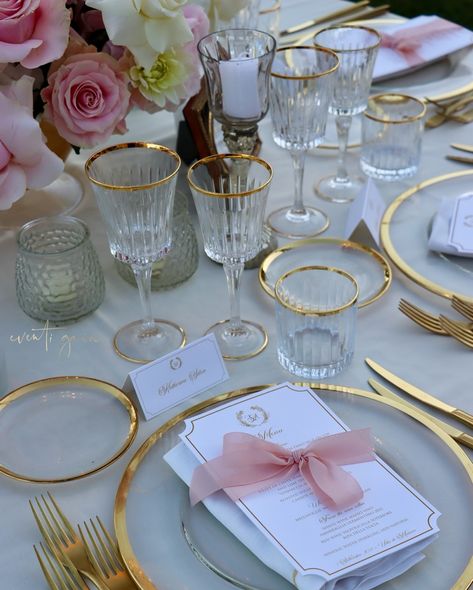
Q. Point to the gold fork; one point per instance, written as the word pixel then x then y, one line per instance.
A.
pixel 460 333
pixel 463 307
pixel 61 538
pixel 429 321
pixel 57 576
pixel 105 557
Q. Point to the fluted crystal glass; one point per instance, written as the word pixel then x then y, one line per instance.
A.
pixel 134 186
pixel 356 48
pixel 230 193
pixel 301 88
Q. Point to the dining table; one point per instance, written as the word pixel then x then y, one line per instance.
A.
pixel 438 364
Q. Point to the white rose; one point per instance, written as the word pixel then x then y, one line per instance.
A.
pixel 146 27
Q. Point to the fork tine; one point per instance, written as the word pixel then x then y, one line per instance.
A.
pixel 45 528
pixel 457 332
pixel 47 575
pixel 62 516
pixel 421 317
pixel 94 556
pixel 63 578
pixel 105 548
pixel 462 307
pixel 112 544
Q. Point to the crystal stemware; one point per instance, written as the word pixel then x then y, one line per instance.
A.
pixel 356 48
pixel 237 64
pixel 301 88
pixel 230 199
pixel 134 184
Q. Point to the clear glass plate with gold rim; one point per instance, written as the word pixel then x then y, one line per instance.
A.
pixel 64 428
pixel 167 545
pixel 405 231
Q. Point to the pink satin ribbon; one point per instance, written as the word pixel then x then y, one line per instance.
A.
pixel 407 42
pixel 249 464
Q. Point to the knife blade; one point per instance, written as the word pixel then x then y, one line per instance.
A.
pixel 462 147
pixel 461 437
pixel 421 395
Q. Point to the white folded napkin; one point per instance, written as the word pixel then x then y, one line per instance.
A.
pixel 439 236
pixel 417 43
pixel 181 460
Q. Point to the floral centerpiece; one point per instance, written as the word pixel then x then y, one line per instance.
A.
pixel 82 65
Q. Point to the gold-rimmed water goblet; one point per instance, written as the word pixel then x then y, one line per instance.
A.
pixel 230 193
pixel 301 88
pixel 356 47
pixel 134 185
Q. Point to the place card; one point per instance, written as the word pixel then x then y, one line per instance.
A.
pixel 391 517
pixel 364 216
pixel 181 374
pixel 461 224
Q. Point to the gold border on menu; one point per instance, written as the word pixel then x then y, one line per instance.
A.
pixel 263 270
pixel 126 550
pixel 391 250
pixel 103 386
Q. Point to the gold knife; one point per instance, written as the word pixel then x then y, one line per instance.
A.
pixel 326 18
pixel 462 147
pixel 461 159
pixel 461 437
pixel 421 395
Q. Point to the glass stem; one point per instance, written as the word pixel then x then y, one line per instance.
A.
pixel 298 161
pixel 233 274
pixel 343 128
pixel 143 280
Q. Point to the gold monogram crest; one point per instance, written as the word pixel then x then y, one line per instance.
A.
pixel 254 416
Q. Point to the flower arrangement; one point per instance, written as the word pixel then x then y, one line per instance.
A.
pixel 82 65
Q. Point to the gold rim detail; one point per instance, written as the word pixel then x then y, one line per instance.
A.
pixel 391 251
pixel 135 569
pixel 380 260
pixel 309 76
pixel 216 157
pixel 133 144
pixel 396 97
pixel 325 312
pixel 103 386
pixel 351 26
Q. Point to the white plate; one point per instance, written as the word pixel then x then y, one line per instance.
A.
pixel 152 507
pixel 64 428
pixel 405 230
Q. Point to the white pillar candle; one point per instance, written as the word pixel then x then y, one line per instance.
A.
pixel 240 96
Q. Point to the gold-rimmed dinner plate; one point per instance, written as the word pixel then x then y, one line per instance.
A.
pixel 164 551
pixel 405 230
pixel 369 268
pixel 64 428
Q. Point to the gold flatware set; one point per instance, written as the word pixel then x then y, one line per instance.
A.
pixel 93 554
pixel 426 398
pixel 463 148
pixel 452 109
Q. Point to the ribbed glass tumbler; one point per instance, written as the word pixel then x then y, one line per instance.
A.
pixel 316 316
pixel 58 274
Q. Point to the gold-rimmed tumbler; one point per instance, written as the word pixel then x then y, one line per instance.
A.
pixel 230 193
pixel 134 185
pixel 301 88
pixel 316 315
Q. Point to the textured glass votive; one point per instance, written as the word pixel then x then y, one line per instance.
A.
pixel 316 316
pixel 58 274
pixel 392 130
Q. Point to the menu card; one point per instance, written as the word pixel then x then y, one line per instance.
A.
pixel 452 227
pixel 315 540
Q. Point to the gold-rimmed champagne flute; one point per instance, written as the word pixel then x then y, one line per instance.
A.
pixel 134 186
pixel 230 193
pixel 301 88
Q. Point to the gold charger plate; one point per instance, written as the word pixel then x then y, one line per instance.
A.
pixel 64 428
pixel 405 229
pixel 370 269
pixel 151 504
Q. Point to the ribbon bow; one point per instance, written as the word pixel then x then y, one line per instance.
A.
pixel 249 464
pixel 408 41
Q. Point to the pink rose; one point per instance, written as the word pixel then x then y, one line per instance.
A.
pixel 33 32
pixel 197 20
pixel 25 161
pixel 87 99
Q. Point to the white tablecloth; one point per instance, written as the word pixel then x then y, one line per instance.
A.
pixel 439 365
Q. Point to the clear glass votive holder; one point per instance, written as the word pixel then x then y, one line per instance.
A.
pixel 392 130
pixel 316 315
pixel 58 274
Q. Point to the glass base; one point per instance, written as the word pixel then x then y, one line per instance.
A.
pixel 319 372
pixel 286 222
pixel 331 189
pixel 238 345
pixel 139 345
pixel 61 197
